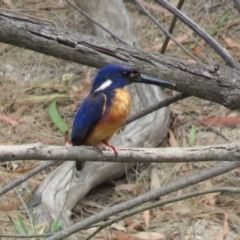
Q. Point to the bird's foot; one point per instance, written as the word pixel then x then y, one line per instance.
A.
pixel 99 149
pixel 112 147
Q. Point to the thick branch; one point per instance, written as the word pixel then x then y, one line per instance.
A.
pixel 225 152
pixel 215 83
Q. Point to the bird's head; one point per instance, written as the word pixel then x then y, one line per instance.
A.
pixel 114 76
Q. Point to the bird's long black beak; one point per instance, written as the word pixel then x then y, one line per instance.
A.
pixel 151 80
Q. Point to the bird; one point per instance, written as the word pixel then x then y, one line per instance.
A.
pixel 105 109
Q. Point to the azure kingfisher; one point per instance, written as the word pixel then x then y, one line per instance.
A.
pixel 105 109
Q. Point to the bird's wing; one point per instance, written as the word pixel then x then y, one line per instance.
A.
pixel 87 116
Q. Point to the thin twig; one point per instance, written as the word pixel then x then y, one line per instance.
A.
pixel 95 22
pixel 14 14
pixel 47 12
pixel 174 186
pixel 106 224
pixel 208 126
pixel 19 236
pixel 167 33
pixel 203 34
pixel 164 103
pixel 200 45
pixel 170 30
pixel 26 176
pixel 160 204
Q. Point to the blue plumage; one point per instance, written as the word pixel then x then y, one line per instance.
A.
pixel 92 107
pixel 107 106
pixel 112 72
pixel 87 117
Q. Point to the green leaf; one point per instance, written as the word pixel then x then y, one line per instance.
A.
pixel 213 30
pixel 224 18
pixel 20 226
pixel 193 136
pixel 56 118
pixel 56 225
pixel 23 226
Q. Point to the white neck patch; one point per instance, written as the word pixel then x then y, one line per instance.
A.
pixel 106 84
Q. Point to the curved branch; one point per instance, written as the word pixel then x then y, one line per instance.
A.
pixel 196 28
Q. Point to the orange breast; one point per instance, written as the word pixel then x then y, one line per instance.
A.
pixel 111 122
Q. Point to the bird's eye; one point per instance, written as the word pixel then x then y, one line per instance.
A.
pixel 130 74
pixel 125 74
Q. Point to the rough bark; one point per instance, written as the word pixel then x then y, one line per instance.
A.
pixel 216 83
pixel 223 152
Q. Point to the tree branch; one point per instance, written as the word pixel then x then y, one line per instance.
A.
pixel 208 126
pixel 25 177
pixel 96 22
pixel 169 35
pixel 171 28
pixel 203 34
pixel 164 103
pixel 161 203
pixel 224 152
pixel 214 83
pixel 20 236
pixel 174 186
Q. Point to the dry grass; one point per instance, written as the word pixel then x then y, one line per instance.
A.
pixel 32 73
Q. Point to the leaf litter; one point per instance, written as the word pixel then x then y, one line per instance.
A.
pixel 38 79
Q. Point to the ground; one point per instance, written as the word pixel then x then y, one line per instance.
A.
pixel 30 81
